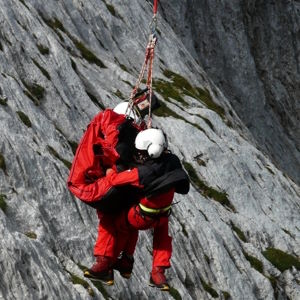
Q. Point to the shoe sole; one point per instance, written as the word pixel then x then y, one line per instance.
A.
pixel 124 274
pixel 165 287
pixel 93 278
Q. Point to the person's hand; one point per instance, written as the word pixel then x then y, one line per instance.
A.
pixel 109 170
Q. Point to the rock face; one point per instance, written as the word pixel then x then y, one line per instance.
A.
pixel 250 49
pixel 237 233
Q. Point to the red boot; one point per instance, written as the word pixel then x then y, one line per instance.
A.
pixel 158 279
pixel 124 265
pixel 101 270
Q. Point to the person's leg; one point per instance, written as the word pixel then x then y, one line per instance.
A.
pixel 126 242
pixel 162 244
pixel 106 240
pixel 104 250
pixel 162 252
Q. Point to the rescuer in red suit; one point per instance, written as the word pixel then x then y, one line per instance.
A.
pixel 160 175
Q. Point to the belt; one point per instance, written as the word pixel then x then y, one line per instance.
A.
pixel 154 211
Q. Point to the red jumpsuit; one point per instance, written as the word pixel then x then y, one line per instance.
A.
pixel 96 152
pixel 120 232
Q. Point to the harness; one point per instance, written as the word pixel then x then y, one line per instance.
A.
pixel 154 211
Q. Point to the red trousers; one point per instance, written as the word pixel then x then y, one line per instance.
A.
pixel 114 236
pixel 119 232
pixel 162 242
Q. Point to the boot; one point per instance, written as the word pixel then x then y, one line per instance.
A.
pixel 124 265
pixel 158 279
pixel 101 270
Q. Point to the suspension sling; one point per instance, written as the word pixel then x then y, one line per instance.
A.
pixel 142 99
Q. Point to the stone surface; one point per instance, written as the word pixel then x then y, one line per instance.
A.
pixel 251 51
pixel 46 234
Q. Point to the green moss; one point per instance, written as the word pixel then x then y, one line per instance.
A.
pixel 178 86
pixel 87 54
pixel 281 260
pixel 226 295
pixel 168 90
pixel 208 288
pixel 205 190
pixel 165 111
pixel 74 146
pixel 35 92
pixel 55 154
pixel 33 99
pixel 3 101
pixel 254 262
pixel 43 49
pixel 123 67
pixel 239 232
pixel 175 294
pixel 44 71
pixel 24 118
pixel 205 97
pixel 3 204
pixel 101 289
pixel 77 280
pixel 179 81
pixel 273 281
pixel 2 163
pixel 95 100
pixel 111 9
pixel 200 162
pixel 119 94
pixel 56 25
pixel 31 235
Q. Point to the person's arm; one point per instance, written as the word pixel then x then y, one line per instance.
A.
pixel 128 177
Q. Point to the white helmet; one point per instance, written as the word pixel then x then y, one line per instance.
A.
pixel 152 140
pixel 121 109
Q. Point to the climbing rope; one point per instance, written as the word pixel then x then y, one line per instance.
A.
pixel 147 65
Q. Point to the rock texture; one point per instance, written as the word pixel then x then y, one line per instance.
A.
pixel 251 51
pixel 236 235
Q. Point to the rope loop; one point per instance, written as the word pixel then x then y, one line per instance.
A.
pixel 147 65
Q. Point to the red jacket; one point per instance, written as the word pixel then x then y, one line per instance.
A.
pixel 96 152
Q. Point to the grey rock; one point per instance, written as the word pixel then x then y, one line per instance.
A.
pixel 47 234
pixel 251 51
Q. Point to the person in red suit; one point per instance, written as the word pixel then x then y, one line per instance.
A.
pixel 160 176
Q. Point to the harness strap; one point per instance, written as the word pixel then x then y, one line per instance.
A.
pixel 154 211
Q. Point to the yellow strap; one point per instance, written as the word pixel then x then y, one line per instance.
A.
pixel 154 210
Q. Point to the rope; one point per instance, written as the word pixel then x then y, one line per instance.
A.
pixel 148 64
pixel 155 7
